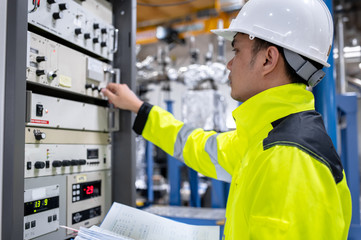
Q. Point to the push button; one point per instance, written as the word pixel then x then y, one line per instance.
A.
pixel 33 224
pixel 55 217
pixel 50 219
pixel 27 225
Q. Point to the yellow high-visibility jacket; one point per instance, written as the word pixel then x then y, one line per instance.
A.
pixel 287 181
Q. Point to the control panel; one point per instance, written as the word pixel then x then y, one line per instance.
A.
pixel 85 199
pixel 58 159
pixel 73 23
pixel 41 211
pixel 52 64
pixel 46 111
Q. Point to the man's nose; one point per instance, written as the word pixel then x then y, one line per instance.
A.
pixel 229 64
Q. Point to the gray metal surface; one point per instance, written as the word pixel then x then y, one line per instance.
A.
pixel 14 120
pixel 123 164
pixel 3 8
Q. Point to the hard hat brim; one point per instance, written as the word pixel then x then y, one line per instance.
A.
pixel 225 33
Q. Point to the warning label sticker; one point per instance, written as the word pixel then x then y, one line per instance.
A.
pixel 39 121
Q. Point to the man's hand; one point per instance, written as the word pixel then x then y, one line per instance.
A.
pixel 122 97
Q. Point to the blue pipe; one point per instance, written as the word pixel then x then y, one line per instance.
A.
pixel 325 95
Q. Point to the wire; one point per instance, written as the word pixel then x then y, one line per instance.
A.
pixel 165 4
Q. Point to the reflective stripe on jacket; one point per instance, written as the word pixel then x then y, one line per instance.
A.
pixel 287 181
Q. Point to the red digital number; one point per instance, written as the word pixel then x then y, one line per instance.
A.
pixel 89 189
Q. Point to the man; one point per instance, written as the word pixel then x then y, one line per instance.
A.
pixel 287 181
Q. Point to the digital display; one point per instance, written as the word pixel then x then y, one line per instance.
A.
pixel 92 153
pixel 41 205
pixel 83 191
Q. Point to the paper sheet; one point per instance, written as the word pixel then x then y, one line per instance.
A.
pixel 139 225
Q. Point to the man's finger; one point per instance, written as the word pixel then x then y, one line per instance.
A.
pixel 112 87
pixel 111 96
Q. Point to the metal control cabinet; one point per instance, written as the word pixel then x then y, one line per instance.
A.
pixel 96 52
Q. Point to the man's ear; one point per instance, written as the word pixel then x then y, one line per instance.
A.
pixel 271 59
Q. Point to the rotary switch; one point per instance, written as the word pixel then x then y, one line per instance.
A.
pixel 66 163
pixel 63 6
pixel 58 15
pixel 39 135
pixel 39 165
pixel 40 59
pixel 82 161
pixel 51 1
pixel 57 163
pixel 78 31
pixel 86 35
pixel 74 162
pixel 40 72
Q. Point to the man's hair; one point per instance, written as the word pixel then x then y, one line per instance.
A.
pixel 260 44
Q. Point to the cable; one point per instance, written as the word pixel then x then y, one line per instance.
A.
pixel 164 4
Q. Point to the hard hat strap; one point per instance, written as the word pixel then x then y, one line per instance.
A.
pixel 304 68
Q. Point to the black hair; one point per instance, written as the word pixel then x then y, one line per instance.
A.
pixel 260 44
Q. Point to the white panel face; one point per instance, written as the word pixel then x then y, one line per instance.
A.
pixel 60 113
pixel 100 8
pixel 58 159
pixel 41 211
pixel 69 21
pixel 58 66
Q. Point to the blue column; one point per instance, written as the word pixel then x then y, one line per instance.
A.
pixel 174 177
pixel 325 95
pixel 149 161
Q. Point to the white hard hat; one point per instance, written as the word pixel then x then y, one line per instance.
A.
pixel 301 26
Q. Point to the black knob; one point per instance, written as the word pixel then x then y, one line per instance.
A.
pixel 57 163
pixel 65 163
pixel 40 72
pixel 86 35
pixel 78 31
pixel 40 59
pixel 82 162
pixel 95 40
pixel 39 165
pixel 88 85
pixel 95 88
pixel 96 26
pixel 63 6
pixel 103 44
pixel 104 30
pixel 58 15
pixel 51 1
pixel 74 162
pixel 39 135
